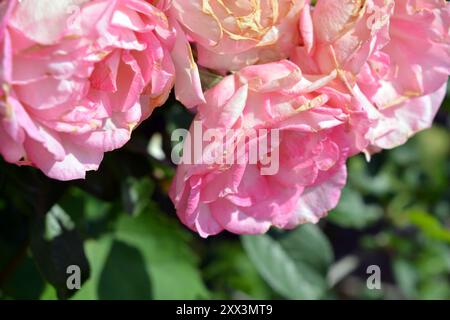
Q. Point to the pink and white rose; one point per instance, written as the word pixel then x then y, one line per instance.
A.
pixel 234 34
pixel 394 57
pixel 319 128
pixel 78 76
pixel 406 80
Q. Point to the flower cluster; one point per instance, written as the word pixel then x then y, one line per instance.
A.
pixel 323 81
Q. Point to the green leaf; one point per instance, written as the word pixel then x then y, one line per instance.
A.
pixel 48 293
pixel 231 274
pixel 429 225
pixel 434 260
pixel 380 184
pixel 164 245
pixel 145 257
pixel 435 289
pixel 353 212
pixel 294 274
pixel 91 215
pixel 124 275
pixel 209 79
pixel 307 244
pixel 97 252
pixel 56 245
pixel 26 282
pixel 136 194
pixel 341 269
pixel 406 277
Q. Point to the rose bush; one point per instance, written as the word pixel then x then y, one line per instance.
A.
pixel 332 78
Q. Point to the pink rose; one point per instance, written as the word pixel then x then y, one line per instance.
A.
pixel 396 62
pixel 405 82
pixel 233 34
pixel 342 34
pixel 77 76
pixel 318 129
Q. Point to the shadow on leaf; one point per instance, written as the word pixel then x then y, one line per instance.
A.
pixel 124 275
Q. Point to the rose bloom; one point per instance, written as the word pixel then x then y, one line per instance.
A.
pixel 406 81
pixel 233 34
pixel 319 128
pixel 394 57
pixel 78 76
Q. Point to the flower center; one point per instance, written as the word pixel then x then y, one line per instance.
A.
pixel 246 19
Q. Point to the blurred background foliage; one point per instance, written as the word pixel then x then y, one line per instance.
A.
pixel 120 227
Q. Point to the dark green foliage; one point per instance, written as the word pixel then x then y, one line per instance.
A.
pixel 120 228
